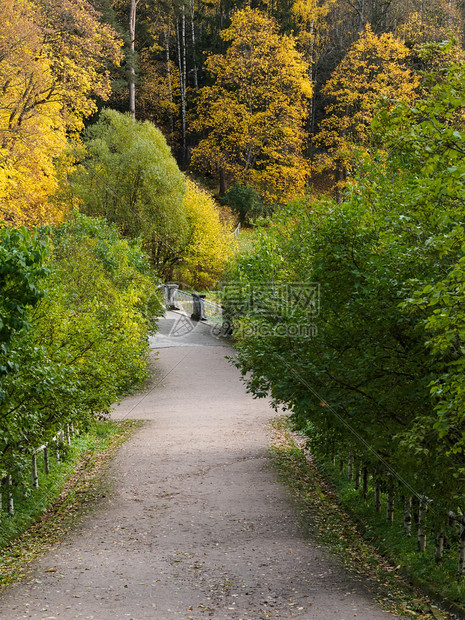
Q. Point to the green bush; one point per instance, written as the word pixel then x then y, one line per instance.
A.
pixel 383 378
pixel 246 202
pixel 87 338
pixel 127 174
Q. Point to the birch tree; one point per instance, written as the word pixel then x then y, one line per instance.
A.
pixel 132 62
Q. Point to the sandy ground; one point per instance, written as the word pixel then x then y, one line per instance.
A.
pixel 196 525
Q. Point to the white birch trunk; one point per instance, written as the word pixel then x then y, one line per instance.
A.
pixel 35 475
pixel 9 496
pixel 194 49
pixel 182 83
pixel 132 68
pixel 184 80
pixel 57 450
pixel 311 75
pixel 439 551
pixel 350 467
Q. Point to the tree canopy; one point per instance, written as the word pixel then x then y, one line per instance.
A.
pixel 253 114
pixel 54 61
pixel 127 174
pixel 210 240
pixel 382 378
pixel 79 302
pixel 373 71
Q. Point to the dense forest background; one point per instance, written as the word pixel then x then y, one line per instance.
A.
pixel 174 39
pixel 270 95
pixel 170 62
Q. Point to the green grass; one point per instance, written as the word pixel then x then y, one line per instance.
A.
pixel 371 549
pixel 44 515
pixel 437 578
pixel 245 240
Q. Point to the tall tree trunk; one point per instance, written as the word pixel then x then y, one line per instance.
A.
pixel 181 36
pixel 350 467
pixel 408 516
pixel 168 75
pixel 390 507
pixel 377 498
pixel 35 475
pixel 439 552
pixel 461 562
pixel 194 50
pixel 362 15
pixel 132 68
pixel 46 461
pixel 365 482
pixel 421 526
pixel 311 75
pixel 9 496
pixel 222 181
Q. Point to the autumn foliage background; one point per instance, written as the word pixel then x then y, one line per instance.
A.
pixel 275 96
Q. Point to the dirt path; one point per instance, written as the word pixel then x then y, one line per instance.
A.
pixel 196 525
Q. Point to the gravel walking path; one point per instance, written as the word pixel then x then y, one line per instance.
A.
pixel 196 525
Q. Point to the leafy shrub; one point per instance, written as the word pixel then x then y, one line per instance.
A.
pixel 87 337
pixel 127 174
pixel 210 240
pixel 246 202
pixel 383 378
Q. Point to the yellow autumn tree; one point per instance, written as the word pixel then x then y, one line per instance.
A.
pixel 310 17
pixel 210 240
pixel 430 21
pixel 32 131
pixel 81 49
pixel 252 117
pixel 373 70
pixel 44 96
